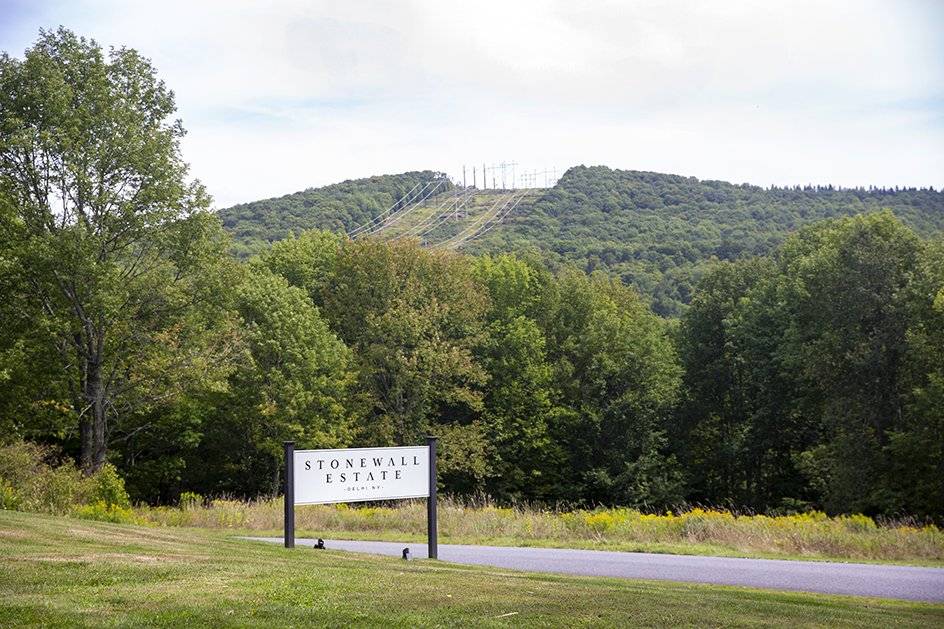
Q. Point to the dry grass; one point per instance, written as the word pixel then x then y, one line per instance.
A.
pixel 811 535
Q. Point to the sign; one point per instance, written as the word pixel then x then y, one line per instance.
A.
pixel 360 474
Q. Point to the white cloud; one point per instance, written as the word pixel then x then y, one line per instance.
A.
pixel 282 96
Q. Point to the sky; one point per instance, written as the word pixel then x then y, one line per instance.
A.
pixel 279 96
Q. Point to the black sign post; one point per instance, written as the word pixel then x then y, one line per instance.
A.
pixel 431 533
pixel 289 498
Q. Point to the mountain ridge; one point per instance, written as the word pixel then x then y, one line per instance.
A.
pixel 653 230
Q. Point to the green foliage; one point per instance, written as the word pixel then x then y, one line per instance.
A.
pixel 807 370
pixel 9 500
pixel 338 208
pixel 105 243
pixel 31 479
pixel 291 381
pixel 34 484
pixel 109 488
pixel 464 461
pixel 619 379
pixel 660 232
pixel 916 443
pixel 654 231
pixel 306 262
pixel 413 318
pixel 190 500
pixel 105 512
pixel 809 379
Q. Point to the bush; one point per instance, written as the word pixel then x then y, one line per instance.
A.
pixel 110 488
pixel 190 500
pixel 55 490
pixel 105 512
pixel 9 501
pixel 31 483
pixel 21 461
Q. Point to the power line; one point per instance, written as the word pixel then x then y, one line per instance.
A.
pixel 502 201
pixel 396 217
pixel 456 203
pixel 400 202
pixel 487 228
pixel 454 211
pixel 445 216
pixel 484 216
pixel 497 218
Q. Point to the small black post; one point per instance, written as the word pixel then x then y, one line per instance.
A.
pixel 431 533
pixel 289 498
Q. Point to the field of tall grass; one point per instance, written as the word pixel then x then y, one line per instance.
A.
pixel 812 535
pixel 27 483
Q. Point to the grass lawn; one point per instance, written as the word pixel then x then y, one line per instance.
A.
pixel 66 572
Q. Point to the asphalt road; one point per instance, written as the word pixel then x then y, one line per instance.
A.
pixel 903 582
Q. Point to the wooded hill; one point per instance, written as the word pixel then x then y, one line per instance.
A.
pixel 652 230
pixel 338 207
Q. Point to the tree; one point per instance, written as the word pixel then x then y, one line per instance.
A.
pixel 715 415
pixel 813 378
pixel 519 412
pixel 291 381
pixel 915 483
pixel 617 372
pixel 117 251
pixel 845 283
pixel 306 261
pixel 413 318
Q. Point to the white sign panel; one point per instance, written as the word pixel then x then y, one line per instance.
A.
pixel 359 474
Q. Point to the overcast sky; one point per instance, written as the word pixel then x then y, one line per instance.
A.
pixel 282 96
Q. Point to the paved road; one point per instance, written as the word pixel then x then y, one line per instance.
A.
pixel 904 582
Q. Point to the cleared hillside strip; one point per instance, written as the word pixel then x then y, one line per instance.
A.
pixel 494 221
pixel 407 198
pixel 500 204
pixel 396 217
pixel 449 208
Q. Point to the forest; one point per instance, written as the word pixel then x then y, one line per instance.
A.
pixel 627 339
pixel 655 232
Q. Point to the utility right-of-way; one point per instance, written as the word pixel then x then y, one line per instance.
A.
pixel 878 580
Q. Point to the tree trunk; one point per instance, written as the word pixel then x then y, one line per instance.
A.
pixel 85 436
pixel 92 426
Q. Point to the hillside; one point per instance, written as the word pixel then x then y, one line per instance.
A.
pixel 654 231
pixel 338 207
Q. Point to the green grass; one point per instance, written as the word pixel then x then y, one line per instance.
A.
pixel 64 572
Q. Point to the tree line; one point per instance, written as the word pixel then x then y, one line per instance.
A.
pixel 812 377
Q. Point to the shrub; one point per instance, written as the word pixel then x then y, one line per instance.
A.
pixel 105 512
pixel 55 490
pixel 31 483
pixel 190 500
pixel 109 488
pixel 8 499
pixel 21 461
